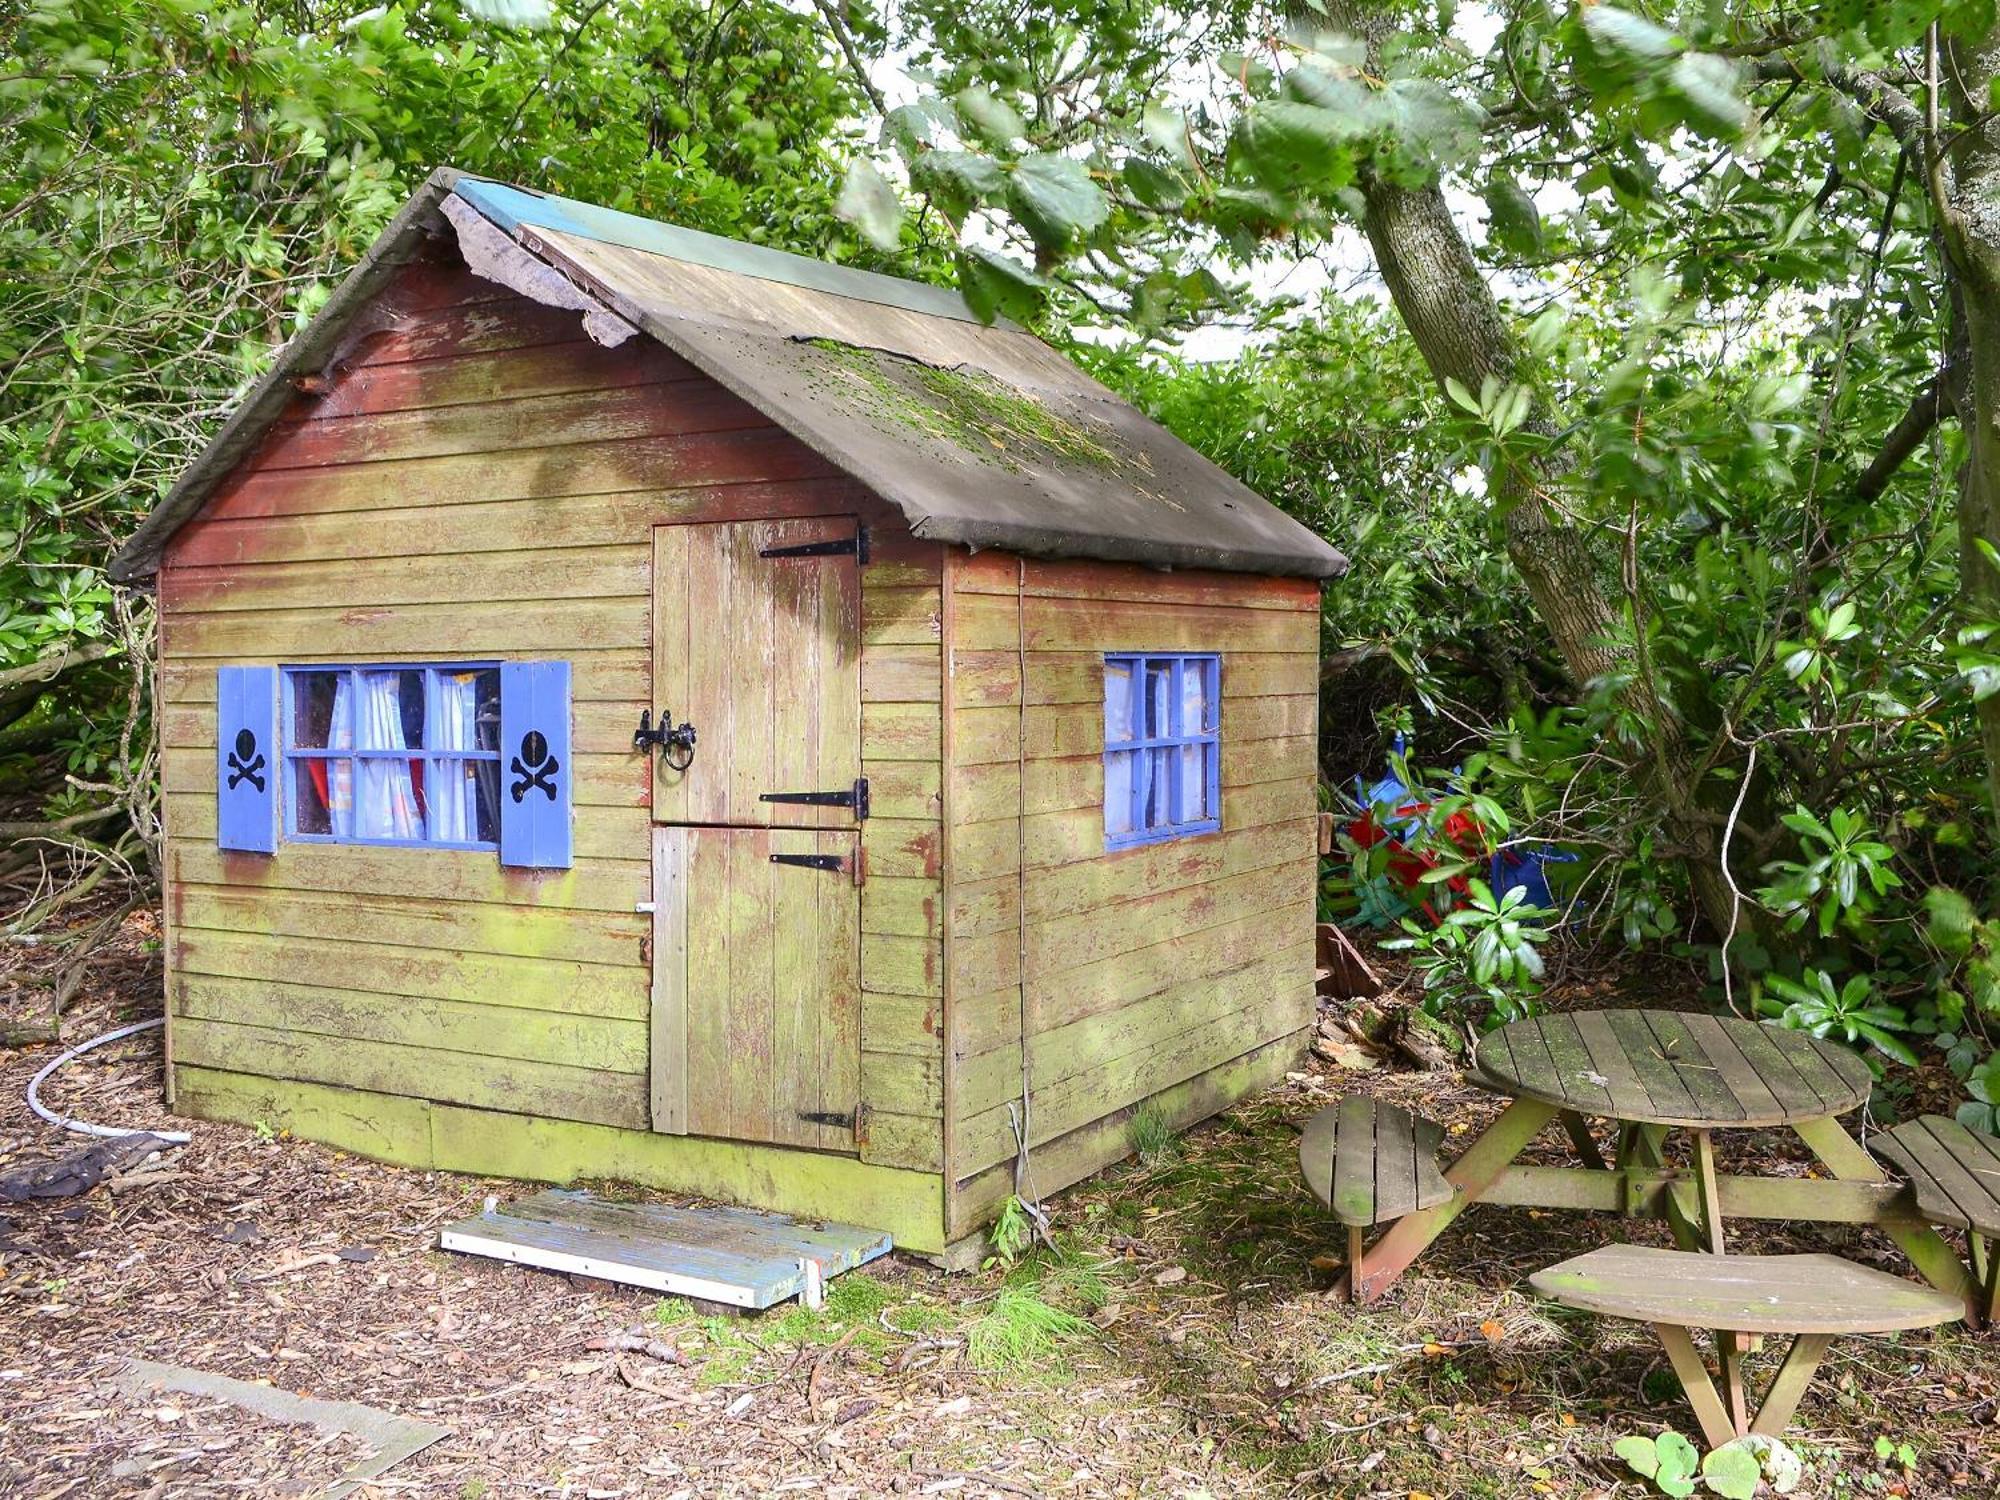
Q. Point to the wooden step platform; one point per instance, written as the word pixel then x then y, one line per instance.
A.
pixel 1814 1297
pixel 1371 1162
pixel 1954 1174
pixel 735 1256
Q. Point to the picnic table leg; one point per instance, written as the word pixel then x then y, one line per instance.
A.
pixel 1693 1374
pixel 1711 1203
pixel 1581 1138
pixel 1649 1149
pixel 1790 1383
pixel 1935 1260
pixel 1471 1175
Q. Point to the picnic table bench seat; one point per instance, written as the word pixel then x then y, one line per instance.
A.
pixel 1813 1297
pixel 1954 1173
pixel 1371 1162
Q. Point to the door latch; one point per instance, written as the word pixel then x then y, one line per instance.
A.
pixel 675 741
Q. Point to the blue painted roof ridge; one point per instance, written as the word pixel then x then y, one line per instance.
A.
pixel 513 208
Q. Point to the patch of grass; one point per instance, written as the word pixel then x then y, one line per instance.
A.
pixel 671 1312
pixel 1153 1137
pixel 1022 1335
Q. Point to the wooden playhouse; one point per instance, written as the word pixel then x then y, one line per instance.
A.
pixel 641 705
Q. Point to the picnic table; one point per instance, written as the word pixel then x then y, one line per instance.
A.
pixel 1652 1074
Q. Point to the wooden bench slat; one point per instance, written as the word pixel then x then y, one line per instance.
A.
pixel 1744 1293
pixel 1354 1161
pixel 1370 1162
pixel 1657 1076
pixel 1735 1069
pixel 1573 1065
pixel 1953 1171
pixel 1698 1073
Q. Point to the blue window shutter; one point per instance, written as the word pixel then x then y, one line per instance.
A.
pixel 246 758
pixel 534 764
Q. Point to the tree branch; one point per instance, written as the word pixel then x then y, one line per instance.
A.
pixel 1929 406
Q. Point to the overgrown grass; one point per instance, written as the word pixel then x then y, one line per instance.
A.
pixel 1153 1137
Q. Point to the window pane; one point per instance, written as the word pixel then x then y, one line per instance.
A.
pixel 1118 701
pixel 1194 762
pixel 390 710
pixel 1195 704
pixel 452 800
pixel 389 715
pixel 314 695
pixel 314 783
pixel 1159 699
pixel 1118 768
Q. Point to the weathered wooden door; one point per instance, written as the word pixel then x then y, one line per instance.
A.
pixel 756 845
pixel 757 643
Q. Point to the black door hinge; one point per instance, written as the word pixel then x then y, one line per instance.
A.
pixel 855 546
pixel 811 861
pixel 828 1117
pixel 855 797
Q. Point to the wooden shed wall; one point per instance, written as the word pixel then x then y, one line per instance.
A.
pixel 1180 971
pixel 481 482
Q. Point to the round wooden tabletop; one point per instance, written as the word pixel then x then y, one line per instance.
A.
pixel 1665 1068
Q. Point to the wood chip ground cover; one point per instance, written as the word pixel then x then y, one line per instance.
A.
pixel 1193 1351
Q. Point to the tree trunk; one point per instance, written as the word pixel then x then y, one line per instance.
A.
pixel 1458 327
pixel 1968 183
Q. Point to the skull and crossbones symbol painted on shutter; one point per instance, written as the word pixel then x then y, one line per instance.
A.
pixel 246 762
pixel 534 766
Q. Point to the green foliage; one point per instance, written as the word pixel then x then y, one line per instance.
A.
pixel 1482 960
pixel 1670 1461
pixel 1013 1232
pixel 1848 1012
pixel 184 181
pixel 1153 1137
pixel 1020 1334
pixel 1732 1471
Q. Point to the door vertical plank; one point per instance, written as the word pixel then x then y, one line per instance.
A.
pixel 708 981
pixel 673 654
pixel 838 744
pixel 669 1060
pixel 838 1053
pixel 795 987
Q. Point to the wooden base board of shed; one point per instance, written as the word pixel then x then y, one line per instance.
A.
pixel 1068 1159
pixel 489 1143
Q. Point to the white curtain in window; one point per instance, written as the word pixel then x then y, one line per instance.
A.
pixel 1194 758
pixel 1159 723
pixel 454 798
pixel 1118 704
pixel 385 801
pixel 340 773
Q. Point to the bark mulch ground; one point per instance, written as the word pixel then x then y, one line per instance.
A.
pixel 1182 1342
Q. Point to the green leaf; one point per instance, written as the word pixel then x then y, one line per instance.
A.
pixel 1167 129
pixel 956 180
pixel 868 203
pixel 1732 1471
pixel 1292 147
pixel 1620 36
pixel 1710 90
pixel 526 15
pixel 1056 200
pixel 995 286
pixel 991 118
pixel 1512 217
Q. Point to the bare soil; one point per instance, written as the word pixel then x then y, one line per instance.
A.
pixel 1181 1343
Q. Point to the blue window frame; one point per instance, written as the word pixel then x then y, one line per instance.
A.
pixel 1162 747
pixel 399 753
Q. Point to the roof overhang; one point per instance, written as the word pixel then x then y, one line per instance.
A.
pixel 980 435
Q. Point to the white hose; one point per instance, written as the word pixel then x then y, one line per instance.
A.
pixel 84 1127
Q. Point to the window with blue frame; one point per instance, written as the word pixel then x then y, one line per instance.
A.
pixel 1162 747
pixel 393 754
